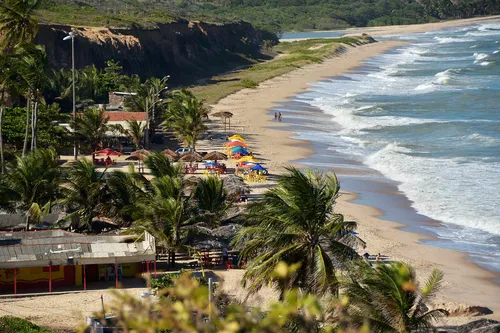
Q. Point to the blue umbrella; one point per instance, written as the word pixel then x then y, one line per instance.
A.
pixel 238 148
pixel 211 163
pixel 258 167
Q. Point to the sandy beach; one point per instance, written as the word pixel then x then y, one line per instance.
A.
pixel 271 141
pixel 414 28
pixel 465 282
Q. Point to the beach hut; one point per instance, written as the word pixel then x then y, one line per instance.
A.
pixel 224 115
pixel 191 157
pixel 215 156
pixel 56 258
pixel 170 154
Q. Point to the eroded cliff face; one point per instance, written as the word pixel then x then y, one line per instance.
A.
pixel 184 50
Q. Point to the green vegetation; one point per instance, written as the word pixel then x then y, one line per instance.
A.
pixel 290 56
pixel 17 325
pixel 273 15
pixel 184 307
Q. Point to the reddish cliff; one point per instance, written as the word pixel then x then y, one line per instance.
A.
pixel 185 50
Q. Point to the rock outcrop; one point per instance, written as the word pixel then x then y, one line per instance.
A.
pixel 480 326
pixel 185 50
pixel 462 310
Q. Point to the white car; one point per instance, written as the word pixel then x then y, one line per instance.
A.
pixel 181 151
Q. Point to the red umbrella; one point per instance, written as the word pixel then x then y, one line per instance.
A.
pixel 108 152
pixel 236 143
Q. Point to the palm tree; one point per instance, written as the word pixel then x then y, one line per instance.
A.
pixel 186 115
pixel 82 191
pixel 124 190
pixel 17 25
pixel 31 182
pixel 295 223
pixel 34 77
pixel 161 166
pixel 91 127
pixel 7 88
pixel 89 83
pixel 135 131
pixel 212 200
pixel 389 299
pixel 167 214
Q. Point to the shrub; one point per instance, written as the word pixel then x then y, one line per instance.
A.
pixel 247 83
pixel 10 324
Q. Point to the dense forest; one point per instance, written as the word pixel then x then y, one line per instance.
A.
pixel 275 15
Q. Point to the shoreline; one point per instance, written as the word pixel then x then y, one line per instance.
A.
pixel 464 280
pixel 403 29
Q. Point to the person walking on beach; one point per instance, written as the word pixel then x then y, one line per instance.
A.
pixel 275 116
pixel 279 117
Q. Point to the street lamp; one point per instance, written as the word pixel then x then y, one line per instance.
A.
pixel 71 36
pixel 153 104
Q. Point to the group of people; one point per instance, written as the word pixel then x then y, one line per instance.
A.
pixel 277 116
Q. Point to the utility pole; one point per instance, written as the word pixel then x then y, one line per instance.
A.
pixel 71 36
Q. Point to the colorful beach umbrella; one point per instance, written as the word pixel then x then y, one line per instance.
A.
pixel 247 159
pixel 236 137
pixel 238 148
pixel 258 167
pixel 108 152
pixel 236 144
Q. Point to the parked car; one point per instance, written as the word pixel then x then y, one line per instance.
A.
pixel 181 151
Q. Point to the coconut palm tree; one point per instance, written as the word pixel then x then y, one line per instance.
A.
pixel 17 25
pixel 212 200
pixel 161 166
pixel 31 182
pixel 296 223
pixel 34 78
pixel 390 300
pixel 186 115
pixel 124 190
pixel 8 69
pixel 167 214
pixel 91 127
pixel 135 131
pixel 82 190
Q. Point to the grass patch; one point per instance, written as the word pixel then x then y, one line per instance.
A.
pixel 247 83
pixel 10 324
pixel 290 56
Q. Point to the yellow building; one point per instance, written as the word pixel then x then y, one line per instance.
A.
pixel 37 260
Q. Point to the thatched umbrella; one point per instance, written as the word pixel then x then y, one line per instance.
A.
pixel 169 153
pixel 191 157
pixel 132 158
pixel 224 115
pixel 215 156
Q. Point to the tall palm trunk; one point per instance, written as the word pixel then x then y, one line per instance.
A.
pixel 34 126
pixel 27 129
pixel 1 139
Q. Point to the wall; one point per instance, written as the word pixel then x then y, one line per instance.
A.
pixel 36 278
pixel 185 50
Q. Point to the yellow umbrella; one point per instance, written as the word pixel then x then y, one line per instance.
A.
pixel 247 159
pixel 236 137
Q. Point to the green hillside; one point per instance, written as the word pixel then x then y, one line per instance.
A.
pixel 276 15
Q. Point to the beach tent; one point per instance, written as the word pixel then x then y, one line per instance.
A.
pixel 236 137
pixel 236 144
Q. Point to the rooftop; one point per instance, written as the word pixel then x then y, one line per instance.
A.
pixel 58 247
pixel 124 116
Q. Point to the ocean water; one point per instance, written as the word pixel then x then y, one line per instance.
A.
pixel 425 117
